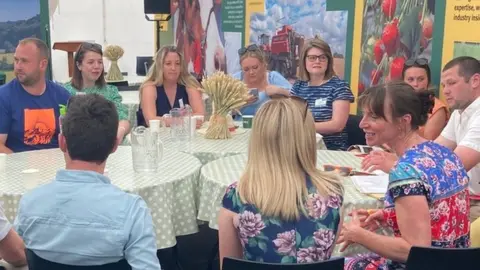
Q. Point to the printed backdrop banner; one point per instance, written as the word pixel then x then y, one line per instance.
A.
pixel 210 32
pixel 381 35
pixel 18 20
pixel 282 27
pixel 461 35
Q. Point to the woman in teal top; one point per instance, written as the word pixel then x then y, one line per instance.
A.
pixel 88 77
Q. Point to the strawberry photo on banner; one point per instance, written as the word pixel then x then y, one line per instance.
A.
pixel 393 31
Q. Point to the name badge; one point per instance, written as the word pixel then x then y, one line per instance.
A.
pixel 320 102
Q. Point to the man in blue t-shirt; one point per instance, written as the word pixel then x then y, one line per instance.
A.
pixel 29 104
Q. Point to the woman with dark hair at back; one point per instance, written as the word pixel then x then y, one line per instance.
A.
pixel 427 201
pixel 88 77
pixel 417 74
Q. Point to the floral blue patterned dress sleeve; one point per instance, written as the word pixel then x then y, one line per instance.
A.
pixel 270 239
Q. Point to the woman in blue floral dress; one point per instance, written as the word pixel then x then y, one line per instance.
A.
pixel 427 202
pixel 283 209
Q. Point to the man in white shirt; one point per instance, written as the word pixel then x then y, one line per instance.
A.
pixel 461 87
pixel 12 249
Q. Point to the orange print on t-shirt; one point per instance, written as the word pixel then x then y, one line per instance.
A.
pixel 39 126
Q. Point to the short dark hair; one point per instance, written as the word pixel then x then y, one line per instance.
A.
pixel 77 79
pixel 40 44
pixel 467 66
pixel 403 100
pixel 90 128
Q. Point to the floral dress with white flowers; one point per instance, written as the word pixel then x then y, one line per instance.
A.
pixel 433 171
pixel 269 239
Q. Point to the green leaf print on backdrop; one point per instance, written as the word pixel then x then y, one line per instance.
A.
pixel 410 31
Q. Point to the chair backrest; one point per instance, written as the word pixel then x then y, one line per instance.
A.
pixel 37 263
pixel 236 264
pixel 356 136
pixel 143 64
pixel 430 258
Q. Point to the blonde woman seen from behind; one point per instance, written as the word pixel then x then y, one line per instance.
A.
pixel 283 209
pixel 168 85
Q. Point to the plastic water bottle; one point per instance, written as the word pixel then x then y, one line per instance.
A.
pixel 188 119
pixel 63 111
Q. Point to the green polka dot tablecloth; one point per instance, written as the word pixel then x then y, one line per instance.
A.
pixel 207 150
pixel 169 193
pixel 217 175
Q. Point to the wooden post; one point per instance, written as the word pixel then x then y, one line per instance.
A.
pixel 70 47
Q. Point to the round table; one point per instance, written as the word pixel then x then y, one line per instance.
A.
pixel 207 150
pixel 217 175
pixel 169 193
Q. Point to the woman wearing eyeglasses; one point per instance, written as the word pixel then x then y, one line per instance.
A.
pixel 88 77
pixel 328 96
pixel 416 73
pixel 262 82
pixel 283 209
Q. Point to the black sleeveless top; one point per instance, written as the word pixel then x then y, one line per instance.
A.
pixel 162 103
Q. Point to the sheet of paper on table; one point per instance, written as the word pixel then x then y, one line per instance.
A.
pixel 368 184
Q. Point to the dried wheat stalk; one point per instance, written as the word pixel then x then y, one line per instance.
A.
pixel 113 53
pixel 227 94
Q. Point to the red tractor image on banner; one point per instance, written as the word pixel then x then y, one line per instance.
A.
pixel 283 51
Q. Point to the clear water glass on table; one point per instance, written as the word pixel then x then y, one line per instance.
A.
pixel 147 149
pixel 180 125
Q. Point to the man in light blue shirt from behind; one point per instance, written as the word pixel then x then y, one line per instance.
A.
pixel 80 218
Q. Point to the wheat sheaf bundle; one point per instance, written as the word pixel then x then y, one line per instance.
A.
pixel 227 94
pixel 113 53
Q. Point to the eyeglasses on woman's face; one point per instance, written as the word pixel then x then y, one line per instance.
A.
pixel 313 58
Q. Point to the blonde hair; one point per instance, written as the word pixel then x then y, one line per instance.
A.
pixel 319 44
pixel 155 73
pixel 257 53
pixel 282 152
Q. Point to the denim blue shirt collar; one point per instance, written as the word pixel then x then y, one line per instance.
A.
pixel 79 176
